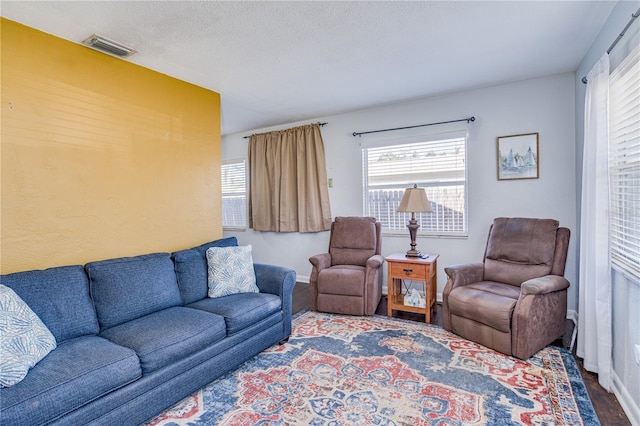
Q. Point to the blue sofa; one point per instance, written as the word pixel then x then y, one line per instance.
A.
pixel 136 335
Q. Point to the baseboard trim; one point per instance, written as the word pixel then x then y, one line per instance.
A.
pixel 302 279
pixel 627 403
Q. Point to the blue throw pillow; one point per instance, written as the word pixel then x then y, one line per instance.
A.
pixel 24 339
pixel 230 271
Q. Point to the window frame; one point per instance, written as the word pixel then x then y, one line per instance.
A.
pixel 404 218
pixel 235 227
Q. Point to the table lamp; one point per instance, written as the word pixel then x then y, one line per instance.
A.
pixel 414 200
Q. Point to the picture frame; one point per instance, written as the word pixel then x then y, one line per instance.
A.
pixel 518 157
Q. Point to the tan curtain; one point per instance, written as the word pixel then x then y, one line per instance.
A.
pixel 288 181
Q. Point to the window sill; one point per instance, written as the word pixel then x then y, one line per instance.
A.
pixel 424 235
pixel 234 228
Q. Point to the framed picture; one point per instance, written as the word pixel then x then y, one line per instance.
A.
pixel 518 157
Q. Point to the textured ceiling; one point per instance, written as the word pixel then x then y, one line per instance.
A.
pixel 279 62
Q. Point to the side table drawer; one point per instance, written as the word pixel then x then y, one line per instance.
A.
pixel 408 271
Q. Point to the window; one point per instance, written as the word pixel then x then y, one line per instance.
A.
pixel 438 165
pixel 624 164
pixel 234 194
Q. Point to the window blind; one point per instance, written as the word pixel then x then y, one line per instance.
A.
pixel 439 166
pixel 234 194
pixel 624 164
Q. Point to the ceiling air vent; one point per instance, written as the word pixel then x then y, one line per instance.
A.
pixel 111 47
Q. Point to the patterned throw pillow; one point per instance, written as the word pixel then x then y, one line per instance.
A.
pixel 230 271
pixel 24 339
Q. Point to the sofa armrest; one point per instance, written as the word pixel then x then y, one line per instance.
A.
pixel 373 283
pixel 321 261
pixel 544 285
pixel 318 263
pixel 375 261
pixel 539 316
pixel 280 281
pixel 459 275
pixel 464 274
pixel 274 279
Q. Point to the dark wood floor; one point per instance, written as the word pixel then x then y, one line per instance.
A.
pixel 606 405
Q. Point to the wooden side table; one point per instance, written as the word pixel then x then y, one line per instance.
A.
pixel 401 267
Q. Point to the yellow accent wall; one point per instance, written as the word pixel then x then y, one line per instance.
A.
pixel 100 158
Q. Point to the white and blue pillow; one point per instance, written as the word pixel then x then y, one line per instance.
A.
pixel 230 271
pixel 24 339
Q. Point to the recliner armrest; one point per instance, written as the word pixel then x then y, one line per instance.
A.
pixel 543 285
pixel 375 261
pixel 321 261
pixel 464 274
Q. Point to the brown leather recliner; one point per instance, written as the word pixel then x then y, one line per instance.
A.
pixel 348 279
pixel 516 300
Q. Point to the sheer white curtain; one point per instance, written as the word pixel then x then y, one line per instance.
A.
pixel 594 321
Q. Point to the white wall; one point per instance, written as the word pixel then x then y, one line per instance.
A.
pixel 626 294
pixel 544 105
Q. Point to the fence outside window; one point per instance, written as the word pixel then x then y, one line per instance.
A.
pixel 447 205
pixel 439 166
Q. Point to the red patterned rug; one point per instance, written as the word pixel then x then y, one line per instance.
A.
pixel 343 370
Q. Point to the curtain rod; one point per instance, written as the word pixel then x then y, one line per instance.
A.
pixel 412 127
pixel 247 137
pixel 633 18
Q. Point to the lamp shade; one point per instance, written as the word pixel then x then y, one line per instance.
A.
pixel 415 200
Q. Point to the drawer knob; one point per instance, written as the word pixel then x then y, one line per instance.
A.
pixel 407 271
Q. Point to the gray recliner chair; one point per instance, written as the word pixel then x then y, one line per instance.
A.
pixel 348 279
pixel 515 301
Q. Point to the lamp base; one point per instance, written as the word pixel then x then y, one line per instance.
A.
pixel 413 226
pixel 413 253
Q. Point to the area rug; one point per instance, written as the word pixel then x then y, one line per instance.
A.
pixel 342 370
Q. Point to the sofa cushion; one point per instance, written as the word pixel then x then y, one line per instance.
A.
pixel 241 310
pixel 222 242
pixel 346 280
pixel 191 272
pixel 130 287
pixel 519 249
pixel 191 269
pixel 230 271
pixel 164 337
pixel 490 303
pixel 60 298
pixel 24 339
pixel 353 240
pixel 77 372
